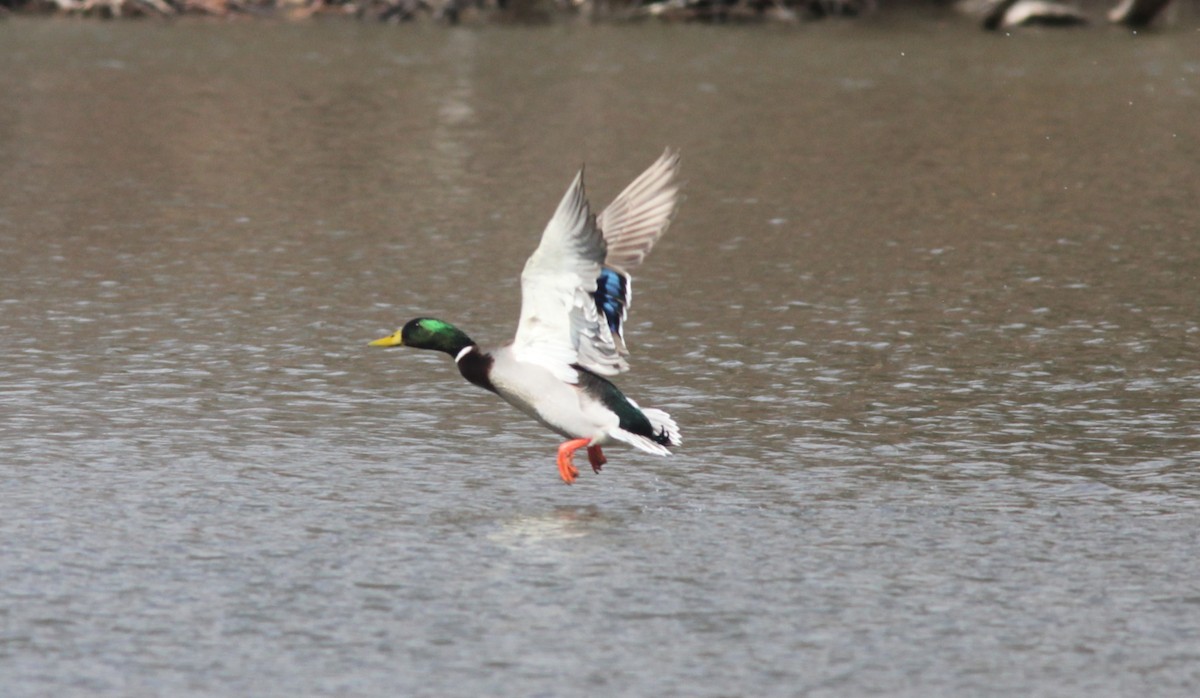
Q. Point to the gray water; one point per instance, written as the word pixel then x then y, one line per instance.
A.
pixel 928 319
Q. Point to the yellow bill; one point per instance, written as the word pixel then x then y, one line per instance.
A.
pixel 392 340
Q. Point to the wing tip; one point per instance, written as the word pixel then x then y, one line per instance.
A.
pixel 670 155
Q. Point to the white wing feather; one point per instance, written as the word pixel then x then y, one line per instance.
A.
pixel 560 324
pixel 555 283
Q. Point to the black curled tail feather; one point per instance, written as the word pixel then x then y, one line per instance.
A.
pixel 666 431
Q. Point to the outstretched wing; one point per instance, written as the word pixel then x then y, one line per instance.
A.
pixel 631 224
pixel 574 290
pixel 558 313
pixel 638 217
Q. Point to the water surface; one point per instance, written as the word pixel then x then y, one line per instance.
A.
pixel 927 318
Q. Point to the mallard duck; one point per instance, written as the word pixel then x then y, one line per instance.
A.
pixel 575 295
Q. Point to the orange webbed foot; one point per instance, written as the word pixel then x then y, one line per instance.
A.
pixel 566 453
pixel 596 458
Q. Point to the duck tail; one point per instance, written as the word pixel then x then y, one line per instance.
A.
pixel 666 431
pixel 637 440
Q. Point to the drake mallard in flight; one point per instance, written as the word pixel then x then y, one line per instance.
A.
pixel 575 295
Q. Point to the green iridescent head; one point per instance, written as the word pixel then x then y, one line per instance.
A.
pixel 427 333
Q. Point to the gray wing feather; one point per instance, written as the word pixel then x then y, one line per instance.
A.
pixel 639 216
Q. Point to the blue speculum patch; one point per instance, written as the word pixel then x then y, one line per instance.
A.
pixel 612 293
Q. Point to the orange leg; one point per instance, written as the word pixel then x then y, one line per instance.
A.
pixel 596 458
pixel 566 451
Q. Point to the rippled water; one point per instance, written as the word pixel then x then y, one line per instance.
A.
pixel 927 318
